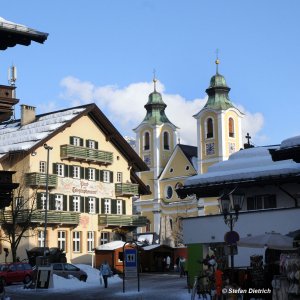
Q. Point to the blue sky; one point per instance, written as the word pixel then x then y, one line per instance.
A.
pixel 105 51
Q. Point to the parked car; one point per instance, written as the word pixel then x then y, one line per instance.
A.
pixel 53 255
pixel 16 272
pixel 66 269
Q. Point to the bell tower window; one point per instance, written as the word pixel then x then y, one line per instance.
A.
pixel 209 128
pixel 166 141
pixel 147 141
pixel 231 127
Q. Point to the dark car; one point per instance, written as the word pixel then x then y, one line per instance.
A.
pixel 15 272
pixel 67 270
pixel 53 255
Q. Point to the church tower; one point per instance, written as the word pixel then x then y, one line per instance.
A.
pixel 219 129
pixel 156 138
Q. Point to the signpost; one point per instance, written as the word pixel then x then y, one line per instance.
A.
pixel 131 263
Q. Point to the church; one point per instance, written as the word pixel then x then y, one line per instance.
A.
pixel 219 134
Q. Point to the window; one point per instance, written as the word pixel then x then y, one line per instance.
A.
pixel 61 240
pixel 261 202
pixel 104 237
pixel 43 201
pixel 187 168
pixel 60 169
pixel 119 207
pixel 169 192
pixel 171 170
pixel 58 202
pixel 209 128
pixel 92 174
pixel 147 141
pixel 43 167
pixel 119 177
pixel 76 141
pixel 231 127
pixel 166 141
pixel 90 241
pixel 76 172
pixel 91 144
pixel 92 205
pixel 76 203
pixel 107 206
pixel 76 241
pixel 106 176
pixel 41 238
pixel 19 201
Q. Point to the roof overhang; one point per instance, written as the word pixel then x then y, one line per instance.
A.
pixel 286 153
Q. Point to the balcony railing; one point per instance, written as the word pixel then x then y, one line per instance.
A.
pixel 126 189
pixel 122 220
pixel 85 154
pixel 38 216
pixel 39 179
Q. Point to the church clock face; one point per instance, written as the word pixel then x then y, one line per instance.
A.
pixel 210 148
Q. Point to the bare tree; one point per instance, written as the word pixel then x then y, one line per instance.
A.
pixel 16 220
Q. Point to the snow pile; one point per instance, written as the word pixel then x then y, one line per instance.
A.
pixel 291 142
pixel 111 245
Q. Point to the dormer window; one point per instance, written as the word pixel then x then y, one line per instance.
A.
pixel 231 127
pixel 166 141
pixel 209 128
pixel 147 141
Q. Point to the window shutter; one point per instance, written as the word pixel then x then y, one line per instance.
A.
pixel 81 172
pixel 71 204
pixel 65 203
pixel 81 204
pixel 102 206
pixel 96 145
pixel 86 173
pixel 87 143
pixel 101 175
pixel 123 207
pixel 81 142
pixel 66 170
pixel 97 205
pixel 71 140
pixel 39 200
pixel 52 202
pixel 54 169
pixel 86 206
pixel 113 206
pixel 111 176
pixel 97 175
pixel 71 171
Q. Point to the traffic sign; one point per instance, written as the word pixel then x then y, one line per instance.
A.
pixel 130 262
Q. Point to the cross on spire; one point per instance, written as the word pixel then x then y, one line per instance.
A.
pixel 217 61
pixel 248 137
pixel 154 79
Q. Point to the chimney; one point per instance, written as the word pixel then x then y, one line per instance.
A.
pixel 27 114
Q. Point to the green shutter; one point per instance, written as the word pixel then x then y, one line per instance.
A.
pixel 86 204
pixel 65 203
pixel 71 140
pixel 81 204
pixel 123 207
pixel 54 169
pixel 87 143
pixel 102 206
pixel 97 205
pixel 71 205
pixel 111 176
pixel 101 175
pixel 81 142
pixel 86 173
pixel 52 201
pixel 113 206
pixel 81 172
pixel 96 145
pixel 97 175
pixel 66 170
pixel 71 171
pixel 39 200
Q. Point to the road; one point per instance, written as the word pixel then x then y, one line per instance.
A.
pixel 152 286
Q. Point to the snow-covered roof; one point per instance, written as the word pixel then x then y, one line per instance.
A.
pixel 252 163
pixel 290 142
pixel 150 247
pixel 14 137
pixel 111 245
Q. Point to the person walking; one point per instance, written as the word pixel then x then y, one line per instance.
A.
pixel 181 266
pixel 105 272
pixel 168 263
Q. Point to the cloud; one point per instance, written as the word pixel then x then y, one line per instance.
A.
pixel 125 106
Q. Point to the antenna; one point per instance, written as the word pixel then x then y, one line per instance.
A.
pixel 12 75
pixel 154 79
pixel 217 61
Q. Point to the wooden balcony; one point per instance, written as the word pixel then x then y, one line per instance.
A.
pixel 38 216
pixel 77 153
pixel 126 189
pixel 122 220
pixel 39 180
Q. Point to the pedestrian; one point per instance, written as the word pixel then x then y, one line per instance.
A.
pixel 105 272
pixel 182 266
pixel 168 262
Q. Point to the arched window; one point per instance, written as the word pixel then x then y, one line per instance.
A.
pixel 147 141
pixel 231 127
pixel 209 128
pixel 166 141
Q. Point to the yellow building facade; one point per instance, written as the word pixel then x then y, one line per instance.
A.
pixel 91 180
pixel 219 133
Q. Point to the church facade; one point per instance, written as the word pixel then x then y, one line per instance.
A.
pixel 219 134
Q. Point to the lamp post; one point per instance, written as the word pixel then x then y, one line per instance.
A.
pixel 48 148
pixel 230 205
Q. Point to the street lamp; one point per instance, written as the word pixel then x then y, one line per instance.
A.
pixel 230 205
pixel 48 148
